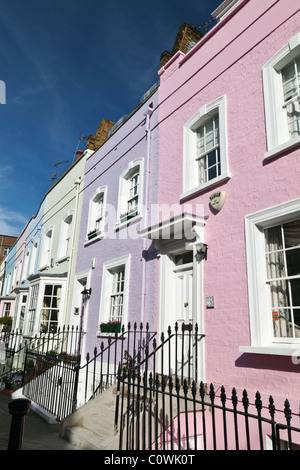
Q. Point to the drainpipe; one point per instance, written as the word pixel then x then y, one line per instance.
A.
pixel 145 241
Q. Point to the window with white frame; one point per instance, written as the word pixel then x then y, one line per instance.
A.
pixel 50 308
pixel 23 303
pixel 46 248
pixel 117 295
pixel 33 257
pixel 205 151
pixel 34 292
pixel 65 236
pixel 283 277
pixel 7 307
pixel 114 291
pixel 273 264
pixel 96 213
pixel 281 80
pixel 5 250
pixel 130 192
pixel 25 265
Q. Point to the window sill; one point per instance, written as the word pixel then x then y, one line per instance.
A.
pixel 94 239
pixel 205 186
pixel 107 334
pixel 276 151
pixel 276 350
pixel 120 225
pixel 63 258
pixel 44 267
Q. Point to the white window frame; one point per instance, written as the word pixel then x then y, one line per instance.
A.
pixel 5 250
pixel 33 256
pixel 109 268
pixel 46 248
pixel 133 167
pixel 50 308
pixel 92 229
pixel 190 164
pixel 7 309
pixel 278 139
pixel 66 234
pixel 31 315
pixel 261 329
pixel 25 265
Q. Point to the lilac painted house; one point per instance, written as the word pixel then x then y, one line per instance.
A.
pixel 114 265
pixel 231 105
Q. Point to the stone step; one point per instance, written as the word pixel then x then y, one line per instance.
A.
pixel 83 438
pixel 99 425
pixel 91 427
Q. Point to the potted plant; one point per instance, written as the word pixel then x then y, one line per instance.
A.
pixel 110 327
pixel 6 321
pixel 93 234
pixel 128 215
pixel 68 357
pixel 14 381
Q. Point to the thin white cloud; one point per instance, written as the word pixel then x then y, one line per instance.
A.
pixel 25 95
pixel 11 222
pixel 5 170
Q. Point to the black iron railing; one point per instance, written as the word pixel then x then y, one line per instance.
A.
pixel 159 413
pixel 50 381
pixel 100 369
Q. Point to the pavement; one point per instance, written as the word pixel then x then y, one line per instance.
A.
pixel 38 434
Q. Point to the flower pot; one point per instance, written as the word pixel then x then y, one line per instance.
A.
pixel 128 216
pixel 110 328
pixel 93 235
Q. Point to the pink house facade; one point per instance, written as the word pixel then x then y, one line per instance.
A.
pixel 230 174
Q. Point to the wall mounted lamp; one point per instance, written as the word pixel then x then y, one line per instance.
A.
pixel 87 291
pixel 202 250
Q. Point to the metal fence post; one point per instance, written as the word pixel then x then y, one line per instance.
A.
pixel 18 409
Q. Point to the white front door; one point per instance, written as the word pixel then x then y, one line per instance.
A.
pixel 184 314
pixel 184 295
pixel 180 302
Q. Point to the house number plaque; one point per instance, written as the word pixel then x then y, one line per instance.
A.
pixel 217 200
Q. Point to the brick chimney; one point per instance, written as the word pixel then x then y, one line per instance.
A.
pixel 95 141
pixel 186 38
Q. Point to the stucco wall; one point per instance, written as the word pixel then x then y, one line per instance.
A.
pixel 229 62
pixel 105 166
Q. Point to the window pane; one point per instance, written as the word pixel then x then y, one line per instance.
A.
pixel 273 238
pixel 48 290
pixel 293 117
pixel 289 82
pixel 275 265
pixel 295 292
pixel 202 170
pixel 201 142
pixel 279 294
pixel 282 323
pixel 292 234
pixel 212 173
pixel 293 262
pixel 297 323
pixel 212 159
pixel 210 135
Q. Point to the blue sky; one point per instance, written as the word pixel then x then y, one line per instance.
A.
pixel 66 65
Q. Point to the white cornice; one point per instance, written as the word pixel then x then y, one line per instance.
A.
pixel 224 8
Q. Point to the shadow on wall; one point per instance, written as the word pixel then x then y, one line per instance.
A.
pixel 269 362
